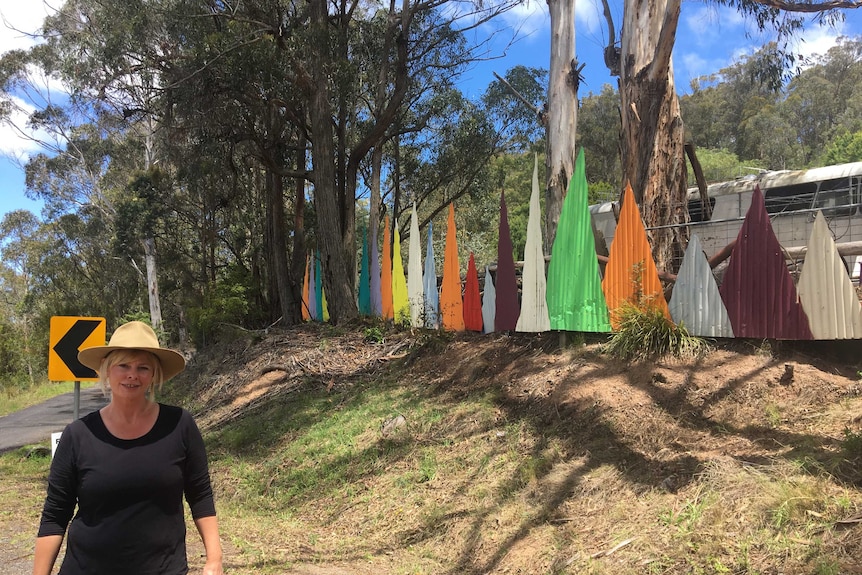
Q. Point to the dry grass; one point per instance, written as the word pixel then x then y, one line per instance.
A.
pixel 517 457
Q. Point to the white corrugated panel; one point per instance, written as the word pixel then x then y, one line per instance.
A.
pixel 696 302
pixel 825 289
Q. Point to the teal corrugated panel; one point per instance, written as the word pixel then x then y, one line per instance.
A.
pixel 576 301
pixel 825 289
pixel 696 302
pixel 364 284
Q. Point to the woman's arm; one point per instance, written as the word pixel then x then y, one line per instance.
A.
pixel 47 549
pixel 208 528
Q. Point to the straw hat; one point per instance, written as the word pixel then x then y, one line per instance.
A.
pixel 134 335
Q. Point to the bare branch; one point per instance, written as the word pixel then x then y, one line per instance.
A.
pixel 811 7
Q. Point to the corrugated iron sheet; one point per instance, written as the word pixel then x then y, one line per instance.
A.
pixel 489 303
pixel 451 306
pixel 388 309
pixel 576 301
pixel 429 284
pixel 374 272
pixel 306 314
pixel 825 289
pixel 472 298
pixel 757 289
pixel 534 305
pixel 415 292
pixel 364 297
pixel 630 257
pixel 400 302
pixel 696 302
pixel 507 308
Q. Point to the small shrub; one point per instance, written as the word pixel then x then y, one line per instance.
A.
pixel 645 332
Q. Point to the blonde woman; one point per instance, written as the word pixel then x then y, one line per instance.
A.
pixel 127 468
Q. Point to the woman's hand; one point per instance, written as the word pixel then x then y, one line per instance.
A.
pixel 213 568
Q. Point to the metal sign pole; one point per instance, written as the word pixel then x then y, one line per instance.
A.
pixel 76 412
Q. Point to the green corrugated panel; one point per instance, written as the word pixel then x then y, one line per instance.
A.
pixel 575 298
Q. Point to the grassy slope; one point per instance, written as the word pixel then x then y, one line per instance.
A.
pixel 520 458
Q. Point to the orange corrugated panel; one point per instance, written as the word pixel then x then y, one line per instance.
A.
pixel 630 262
pixel 388 309
pixel 305 314
pixel 451 306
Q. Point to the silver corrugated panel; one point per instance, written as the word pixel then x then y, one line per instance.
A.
pixel 696 302
pixel 825 289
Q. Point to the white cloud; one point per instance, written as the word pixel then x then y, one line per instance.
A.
pixel 19 20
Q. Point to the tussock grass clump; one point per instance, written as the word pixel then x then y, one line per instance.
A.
pixel 645 332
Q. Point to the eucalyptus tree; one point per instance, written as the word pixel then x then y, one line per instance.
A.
pixel 653 136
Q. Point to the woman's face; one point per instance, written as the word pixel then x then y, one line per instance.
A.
pixel 132 377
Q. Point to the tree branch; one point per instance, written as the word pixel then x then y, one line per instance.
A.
pixel 810 7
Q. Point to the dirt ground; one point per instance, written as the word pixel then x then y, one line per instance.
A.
pixel 660 422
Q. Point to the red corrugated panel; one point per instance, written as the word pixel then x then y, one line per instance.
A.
pixel 757 289
pixel 472 298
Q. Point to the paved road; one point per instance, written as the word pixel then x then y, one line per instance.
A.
pixel 35 424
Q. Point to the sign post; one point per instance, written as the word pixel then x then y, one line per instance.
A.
pixel 67 336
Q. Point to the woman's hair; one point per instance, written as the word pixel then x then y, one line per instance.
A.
pixel 123 355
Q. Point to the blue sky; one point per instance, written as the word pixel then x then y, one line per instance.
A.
pixel 708 39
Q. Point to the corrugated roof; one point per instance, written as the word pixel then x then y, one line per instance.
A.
pixel 757 289
pixel 825 289
pixel 696 302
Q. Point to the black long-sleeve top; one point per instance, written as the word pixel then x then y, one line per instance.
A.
pixel 129 495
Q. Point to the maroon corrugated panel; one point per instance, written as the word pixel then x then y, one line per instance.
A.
pixel 757 289
pixel 508 308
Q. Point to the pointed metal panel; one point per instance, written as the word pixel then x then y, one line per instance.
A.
pixel 451 306
pixel 364 295
pixel 472 299
pixel 306 314
pixel 696 302
pixel 575 298
pixel 400 303
pixel 630 252
pixel 489 303
pixel 312 289
pixel 534 305
pixel 429 284
pixel 318 288
pixel 825 290
pixel 757 289
pixel 374 267
pixel 415 293
pixel 507 308
pixel 388 309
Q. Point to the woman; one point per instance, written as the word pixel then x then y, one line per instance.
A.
pixel 127 467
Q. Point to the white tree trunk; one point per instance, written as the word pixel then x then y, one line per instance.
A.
pixel 562 112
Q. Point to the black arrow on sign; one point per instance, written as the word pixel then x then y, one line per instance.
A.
pixel 67 347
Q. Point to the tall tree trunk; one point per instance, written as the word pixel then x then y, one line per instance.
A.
pixel 149 243
pixel 653 139
pixel 331 237
pixel 297 264
pixel 152 282
pixel 277 243
pixel 562 113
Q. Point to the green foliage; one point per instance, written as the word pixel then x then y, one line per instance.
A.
pixel 645 332
pixel 844 148
pixel 226 303
pixel 720 166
